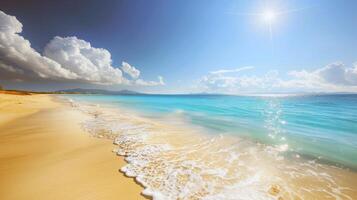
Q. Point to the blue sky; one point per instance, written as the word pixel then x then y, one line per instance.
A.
pixel 183 41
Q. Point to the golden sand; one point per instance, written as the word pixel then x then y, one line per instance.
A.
pixel 44 154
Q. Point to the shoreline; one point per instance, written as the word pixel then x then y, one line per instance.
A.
pixel 155 150
pixel 45 154
pixel 51 148
pixel 105 106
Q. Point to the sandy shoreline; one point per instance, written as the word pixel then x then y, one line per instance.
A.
pixel 44 154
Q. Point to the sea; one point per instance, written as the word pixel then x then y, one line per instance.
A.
pixel 231 147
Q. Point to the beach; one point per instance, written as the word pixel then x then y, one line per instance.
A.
pixel 161 100
pixel 66 147
pixel 45 154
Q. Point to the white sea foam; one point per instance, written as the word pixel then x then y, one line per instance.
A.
pixel 179 165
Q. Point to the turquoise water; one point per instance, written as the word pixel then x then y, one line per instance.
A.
pixel 323 127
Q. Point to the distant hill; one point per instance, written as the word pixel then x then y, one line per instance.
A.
pixel 96 91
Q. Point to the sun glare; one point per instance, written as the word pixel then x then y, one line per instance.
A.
pixel 269 16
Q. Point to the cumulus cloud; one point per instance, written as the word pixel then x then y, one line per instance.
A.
pixel 333 74
pixel 88 63
pixel 334 77
pixel 63 59
pixel 16 54
pixel 9 24
pixel 130 70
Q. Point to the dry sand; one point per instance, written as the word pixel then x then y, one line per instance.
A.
pixel 44 154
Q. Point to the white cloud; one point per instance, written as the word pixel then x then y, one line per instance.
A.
pixel 17 55
pixel 9 24
pixel 334 74
pixel 223 71
pixel 64 59
pixel 90 64
pixel 131 70
pixel 150 83
pixel 334 77
pixel 219 79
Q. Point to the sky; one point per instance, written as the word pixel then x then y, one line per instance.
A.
pixel 167 46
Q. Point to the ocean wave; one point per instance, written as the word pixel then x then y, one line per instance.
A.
pixel 178 163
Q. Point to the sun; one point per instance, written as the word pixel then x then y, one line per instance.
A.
pixel 269 16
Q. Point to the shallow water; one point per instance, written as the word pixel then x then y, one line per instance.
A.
pixel 229 147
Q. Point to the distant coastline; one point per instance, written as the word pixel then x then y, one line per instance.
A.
pixel 131 92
